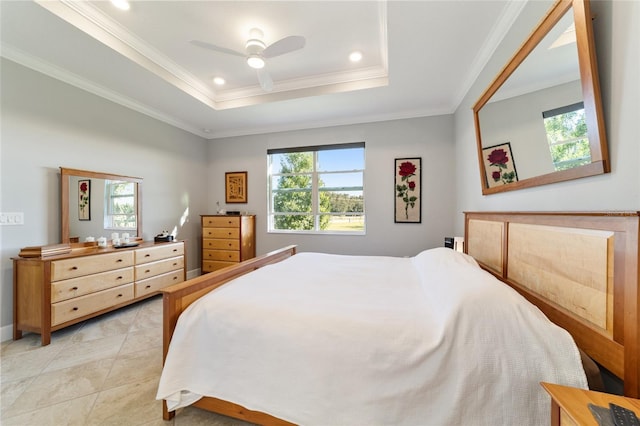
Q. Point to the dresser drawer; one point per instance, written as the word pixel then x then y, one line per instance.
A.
pixel 148 270
pixel 216 244
pixel 158 282
pixel 79 266
pixel 225 255
pixel 85 305
pixel 214 265
pixel 74 287
pixel 231 233
pixel 221 222
pixel 151 254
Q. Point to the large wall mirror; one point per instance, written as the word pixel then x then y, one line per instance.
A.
pixel 541 121
pixel 98 204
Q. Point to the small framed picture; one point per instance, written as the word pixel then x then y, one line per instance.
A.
pixel 408 190
pixel 84 199
pixel 499 165
pixel 235 189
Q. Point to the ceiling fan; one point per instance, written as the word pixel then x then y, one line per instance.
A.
pixel 256 51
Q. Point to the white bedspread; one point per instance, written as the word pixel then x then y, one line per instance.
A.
pixel 324 339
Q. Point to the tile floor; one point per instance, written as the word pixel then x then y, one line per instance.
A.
pixel 104 371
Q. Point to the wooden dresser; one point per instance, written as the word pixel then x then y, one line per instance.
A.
pixel 54 292
pixel 227 240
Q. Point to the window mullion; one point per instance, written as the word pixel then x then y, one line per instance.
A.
pixel 315 196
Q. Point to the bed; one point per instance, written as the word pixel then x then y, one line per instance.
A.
pixel 418 370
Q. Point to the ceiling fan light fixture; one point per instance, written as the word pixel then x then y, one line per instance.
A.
pixel 255 61
pixel 219 81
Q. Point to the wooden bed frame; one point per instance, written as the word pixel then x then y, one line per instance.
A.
pixel 178 297
pixel 532 252
pixel 580 269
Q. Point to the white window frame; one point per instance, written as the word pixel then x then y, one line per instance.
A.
pixel 315 190
pixel 108 206
pixel 558 166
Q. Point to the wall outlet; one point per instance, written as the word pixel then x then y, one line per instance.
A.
pixel 16 218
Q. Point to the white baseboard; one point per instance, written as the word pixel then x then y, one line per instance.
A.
pixel 193 273
pixel 6 332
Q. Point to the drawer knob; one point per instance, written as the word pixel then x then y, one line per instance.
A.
pixel 119 260
pixel 119 278
pixel 147 271
pixel 74 268
pixel 119 295
pixel 175 278
pixel 175 250
pixel 75 308
pixel 74 288
pixel 148 286
pixel 175 263
pixel 147 255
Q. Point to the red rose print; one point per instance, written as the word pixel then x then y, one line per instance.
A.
pixel 407 168
pixel 498 156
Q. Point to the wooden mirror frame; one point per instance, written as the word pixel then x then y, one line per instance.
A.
pixel 65 173
pixel 590 91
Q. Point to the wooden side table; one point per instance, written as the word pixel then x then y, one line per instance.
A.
pixel 570 406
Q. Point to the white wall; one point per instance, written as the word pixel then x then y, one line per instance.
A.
pixel 430 138
pixel 47 124
pixel 617 35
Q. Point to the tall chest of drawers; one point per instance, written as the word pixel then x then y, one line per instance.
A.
pixel 51 293
pixel 227 240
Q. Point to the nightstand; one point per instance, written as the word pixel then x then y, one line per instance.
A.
pixel 570 406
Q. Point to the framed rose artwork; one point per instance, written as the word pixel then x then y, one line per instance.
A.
pixel 408 190
pixel 499 165
pixel 235 187
pixel 84 199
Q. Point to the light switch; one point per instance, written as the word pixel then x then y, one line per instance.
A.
pixel 14 218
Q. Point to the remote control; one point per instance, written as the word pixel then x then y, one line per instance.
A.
pixel 623 416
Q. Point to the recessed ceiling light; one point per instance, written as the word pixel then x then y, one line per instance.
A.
pixel 219 81
pixel 121 4
pixel 355 56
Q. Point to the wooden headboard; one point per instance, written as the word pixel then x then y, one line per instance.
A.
pixel 580 269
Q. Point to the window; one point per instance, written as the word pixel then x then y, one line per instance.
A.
pixel 120 205
pixel 317 189
pixel 567 136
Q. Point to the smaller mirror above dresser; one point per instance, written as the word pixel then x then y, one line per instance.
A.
pixel 95 204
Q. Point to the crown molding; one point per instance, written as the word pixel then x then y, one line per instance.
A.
pixel 506 20
pixel 18 56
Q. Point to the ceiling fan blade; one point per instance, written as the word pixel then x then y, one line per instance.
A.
pixel 265 80
pixel 285 45
pixel 215 48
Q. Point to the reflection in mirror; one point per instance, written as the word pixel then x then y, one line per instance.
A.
pixel 98 204
pixel 541 117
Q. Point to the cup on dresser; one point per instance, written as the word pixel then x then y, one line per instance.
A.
pixel 89 239
pixel 115 241
pixel 125 238
pixel 102 242
pixel 115 236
